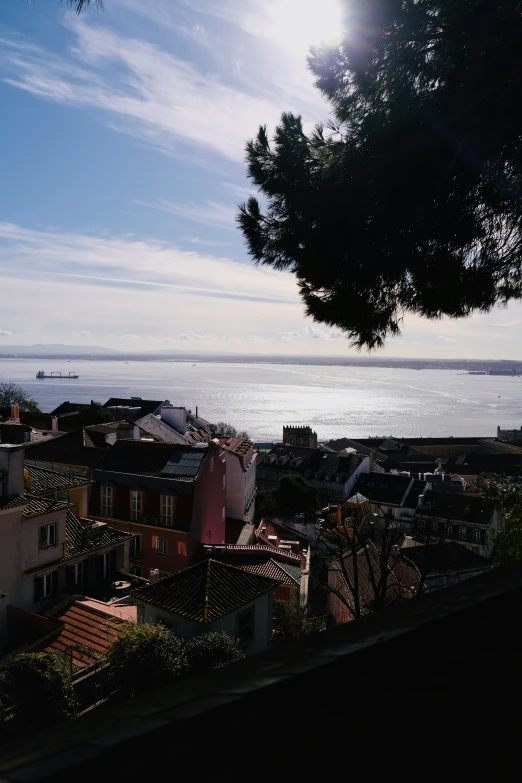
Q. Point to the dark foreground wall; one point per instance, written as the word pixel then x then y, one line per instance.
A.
pixel 428 688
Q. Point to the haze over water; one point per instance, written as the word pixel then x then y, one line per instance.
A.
pixel 260 398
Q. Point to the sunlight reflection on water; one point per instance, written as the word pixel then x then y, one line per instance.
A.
pixel 335 401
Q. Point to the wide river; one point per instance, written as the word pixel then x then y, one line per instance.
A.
pixel 260 398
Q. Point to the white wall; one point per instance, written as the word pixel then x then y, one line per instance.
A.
pixel 155 426
pixel 234 486
pixel 174 417
pixel 263 617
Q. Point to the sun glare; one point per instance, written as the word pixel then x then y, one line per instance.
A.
pixel 298 24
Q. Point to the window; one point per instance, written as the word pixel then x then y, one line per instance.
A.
pixel 136 501
pixel 136 570
pixel 106 501
pixel 45 585
pixel 434 527
pixel 167 505
pixel 476 535
pixel 135 547
pixel 463 533
pixel 422 524
pixel 162 546
pixel 75 576
pixel 105 565
pixel 48 535
pixel 245 627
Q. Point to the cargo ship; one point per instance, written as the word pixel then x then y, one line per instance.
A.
pixel 57 375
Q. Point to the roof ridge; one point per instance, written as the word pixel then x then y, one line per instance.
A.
pixel 221 564
pixel 207 591
pixel 279 565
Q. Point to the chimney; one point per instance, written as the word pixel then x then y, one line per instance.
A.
pixel 11 470
pixel 15 411
pixel 54 426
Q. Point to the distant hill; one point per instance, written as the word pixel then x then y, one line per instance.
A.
pixel 56 349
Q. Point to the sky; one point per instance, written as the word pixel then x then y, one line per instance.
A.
pixel 122 140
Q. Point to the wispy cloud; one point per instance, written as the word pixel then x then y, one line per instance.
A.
pixel 241 191
pixel 446 339
pixel 4 333
pixel 322 334
pixel 125 262
pixel 206 242
pixel 188 335
pixel 210 213
pixel 289 335
pixel 160 98
pixel 129 337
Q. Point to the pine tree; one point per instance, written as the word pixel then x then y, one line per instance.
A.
pixel 409 199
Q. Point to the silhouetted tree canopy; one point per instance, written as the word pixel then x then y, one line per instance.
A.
pixel 94 413
pixel 409 198
pixel 224 430
pixel 79 4
pixel 13 393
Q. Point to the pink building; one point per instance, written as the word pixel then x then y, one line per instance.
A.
pixel 170 497
pixel 241 462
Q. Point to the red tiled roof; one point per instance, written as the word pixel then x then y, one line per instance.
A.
pixel 236 445
pixel 206 591
pixel 12 501
pixel 269 550
pixel 282 534
pixel 368 567
pixel 86 634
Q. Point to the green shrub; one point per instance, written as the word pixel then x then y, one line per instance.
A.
pixel 292 622
pixel 39 688
pixel 144 657
pixel 211 651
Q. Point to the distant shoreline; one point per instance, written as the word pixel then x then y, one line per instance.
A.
pixel 466 365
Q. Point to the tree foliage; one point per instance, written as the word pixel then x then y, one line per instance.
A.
pixel 292 622
pixel 39 688
pixel 13 393
pixel 94 413
pixel 79 4
pixel 148 655
pixel 409 198
pixel 211 651
pixel 293 495
pixel 363 557
pixel 507 542
pixel 144 657
pixel 224 430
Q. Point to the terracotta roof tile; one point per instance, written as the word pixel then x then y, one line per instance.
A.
pixel 36 506
pixel 69 449
pixel 86 634
pixel 206 591
pixel 11 501
pixel 40 481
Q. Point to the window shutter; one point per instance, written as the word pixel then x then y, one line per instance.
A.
pixel 155 542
